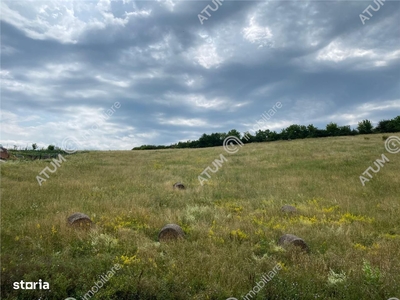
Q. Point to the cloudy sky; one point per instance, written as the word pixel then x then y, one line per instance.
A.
pixel 118 74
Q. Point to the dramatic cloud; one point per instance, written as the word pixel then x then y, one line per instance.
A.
pixel 66 65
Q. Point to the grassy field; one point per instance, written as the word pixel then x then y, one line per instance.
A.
pixel 232 223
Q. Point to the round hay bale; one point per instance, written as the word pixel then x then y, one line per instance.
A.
pixel 290 239
pixel 171 232
pixel 79 220
pixel 179 186
pixel 288 209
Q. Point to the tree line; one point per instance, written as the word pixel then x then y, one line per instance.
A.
pixel 290 133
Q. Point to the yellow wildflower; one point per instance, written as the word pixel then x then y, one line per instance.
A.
pixel 359 246
pixel 240 235
pixel 349 218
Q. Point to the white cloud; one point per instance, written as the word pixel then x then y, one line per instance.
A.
pixel 170 4
pixel 119 83
pixel 194 122
pixel 367 110
pixel 205 55
pixel 199 101
pixel 85 94
pixel 384 105
pixel 89 127
pixel 141 13
pixel 256 34
pixel 55 71
pixel 65 21
pixel 336 51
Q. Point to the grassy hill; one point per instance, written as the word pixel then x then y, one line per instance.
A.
pixel 232 223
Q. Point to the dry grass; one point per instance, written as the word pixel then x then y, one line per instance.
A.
pixel 232 223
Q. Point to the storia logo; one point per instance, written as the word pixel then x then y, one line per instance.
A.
pixel 31 285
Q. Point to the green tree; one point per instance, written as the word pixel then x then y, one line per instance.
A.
pixel 204 140
pixel 273 136
pixel 383 126
pixel 365 127
pixel 247 138
pixel 234 132
pixel 34 146
pixel 345 130
pixel 293 131
pixel 261 136
pixel 312 131
pixel 396 123
pixel 210 140
pixel 51 147
pixel 332 129
pixel 388 125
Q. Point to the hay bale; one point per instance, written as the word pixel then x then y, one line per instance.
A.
pixel 290 239
pixel 288 209
pixel 79 220
pixel 171 232
pixel 179 186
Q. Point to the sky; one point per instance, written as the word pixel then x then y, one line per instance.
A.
pixel 113 75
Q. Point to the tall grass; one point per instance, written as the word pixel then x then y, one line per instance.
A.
pixel 232 223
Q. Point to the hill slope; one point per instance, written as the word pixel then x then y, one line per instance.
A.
pixel 232 223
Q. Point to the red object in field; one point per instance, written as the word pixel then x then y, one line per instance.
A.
pixel 4 153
